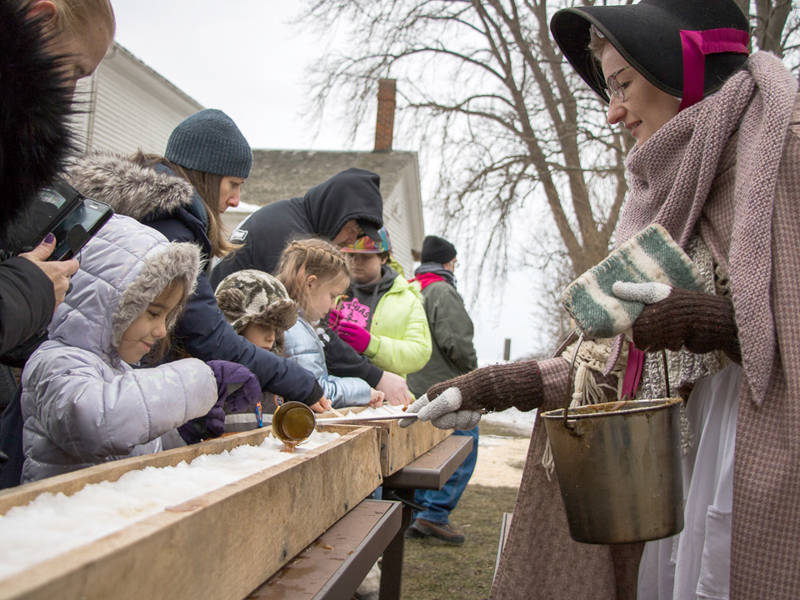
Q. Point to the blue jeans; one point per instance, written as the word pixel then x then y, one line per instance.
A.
pixel 440 503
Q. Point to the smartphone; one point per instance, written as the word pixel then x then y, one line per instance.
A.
pixel 78 227
pixel 48 209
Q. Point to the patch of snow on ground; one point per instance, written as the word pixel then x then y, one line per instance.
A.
pixel 512 418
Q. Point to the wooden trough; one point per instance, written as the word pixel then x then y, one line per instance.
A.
pixel 400 446
pixel 220 545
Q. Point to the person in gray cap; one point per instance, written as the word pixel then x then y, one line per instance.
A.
pixel 183 195
pixel 453 355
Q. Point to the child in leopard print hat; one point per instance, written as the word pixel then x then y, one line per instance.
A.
pixel 257 307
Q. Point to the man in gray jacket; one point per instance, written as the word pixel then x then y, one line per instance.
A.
pixel 453 355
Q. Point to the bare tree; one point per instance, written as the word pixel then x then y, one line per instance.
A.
pixel 487 84
pixel 775 27
pixel 516 131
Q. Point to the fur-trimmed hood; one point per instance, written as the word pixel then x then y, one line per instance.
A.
pixel 34 105
pixel 123 269
pixel 130 188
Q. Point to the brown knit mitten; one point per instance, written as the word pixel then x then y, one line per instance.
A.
pixel 698 321
pixel 497 387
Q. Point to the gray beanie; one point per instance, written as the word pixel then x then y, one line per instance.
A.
pixel 210 141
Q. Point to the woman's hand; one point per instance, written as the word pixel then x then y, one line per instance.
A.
pixel 497 387
pixel 59 272
pixel 376 398
pixel 674 318
pixel 443 411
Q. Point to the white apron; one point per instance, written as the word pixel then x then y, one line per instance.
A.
pixel 696 563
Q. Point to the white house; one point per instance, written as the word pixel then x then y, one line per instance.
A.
pixel 126 106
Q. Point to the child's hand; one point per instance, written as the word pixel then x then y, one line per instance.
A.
pixel 355 335
pixel 376 398
pixel 321 406
pixel 333 319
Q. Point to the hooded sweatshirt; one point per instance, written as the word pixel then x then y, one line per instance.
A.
pixel 353 194
pixel 168 203
pixel 81 403
pixel 391 310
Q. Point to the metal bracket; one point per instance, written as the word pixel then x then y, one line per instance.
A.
pixel 392 495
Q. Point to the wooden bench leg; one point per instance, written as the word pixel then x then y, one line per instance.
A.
pixel 392 565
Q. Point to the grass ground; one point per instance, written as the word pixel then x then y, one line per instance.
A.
pixel 436 571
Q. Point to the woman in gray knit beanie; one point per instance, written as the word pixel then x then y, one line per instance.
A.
pixel 183 195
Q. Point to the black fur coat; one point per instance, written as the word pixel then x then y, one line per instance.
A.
pixel 34 105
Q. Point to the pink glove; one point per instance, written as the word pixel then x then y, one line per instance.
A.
pixel 355 335
pixel 333 320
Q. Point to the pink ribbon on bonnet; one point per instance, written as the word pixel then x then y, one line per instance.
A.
pixel 696 44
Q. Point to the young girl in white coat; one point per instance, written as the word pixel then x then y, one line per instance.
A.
pixel 83 403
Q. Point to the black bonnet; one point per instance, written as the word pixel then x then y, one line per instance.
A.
pixel 648 36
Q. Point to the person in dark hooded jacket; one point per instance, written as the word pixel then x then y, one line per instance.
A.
pixel 335 209
pixel 341 209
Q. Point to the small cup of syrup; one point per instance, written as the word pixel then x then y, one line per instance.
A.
pixel 293 423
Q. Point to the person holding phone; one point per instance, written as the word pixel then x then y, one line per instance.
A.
pixel 183 195
pixel 45 47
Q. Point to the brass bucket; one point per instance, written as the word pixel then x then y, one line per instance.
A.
pixel 619 468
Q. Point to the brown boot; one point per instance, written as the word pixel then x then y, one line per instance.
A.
pixel 422 528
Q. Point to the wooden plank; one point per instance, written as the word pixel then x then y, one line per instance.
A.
pixel 400 446
pixel 337 562
pixel 220 545
pixel 432 470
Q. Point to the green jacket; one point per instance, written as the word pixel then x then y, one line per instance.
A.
pixel 401 338
pixel 453 352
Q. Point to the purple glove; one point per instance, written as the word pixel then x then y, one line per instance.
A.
pixel 355 335
pixel 246 394
pixel 230 374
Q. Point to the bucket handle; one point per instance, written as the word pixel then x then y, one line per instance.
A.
pixel 571 427
pixel 569 376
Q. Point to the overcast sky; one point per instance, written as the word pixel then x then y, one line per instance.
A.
pixel 243 57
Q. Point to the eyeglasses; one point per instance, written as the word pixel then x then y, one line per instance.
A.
pixel 613 86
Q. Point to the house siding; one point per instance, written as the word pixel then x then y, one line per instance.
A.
pixel 128 106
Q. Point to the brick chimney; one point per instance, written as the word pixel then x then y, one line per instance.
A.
pixel 384 128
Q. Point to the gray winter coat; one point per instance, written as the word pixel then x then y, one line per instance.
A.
pixel 82 404
pixel 451 331
pixel 304 347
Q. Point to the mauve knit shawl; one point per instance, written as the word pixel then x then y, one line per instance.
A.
pixel 670 178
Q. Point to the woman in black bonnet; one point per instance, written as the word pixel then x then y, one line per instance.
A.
pixel 717 164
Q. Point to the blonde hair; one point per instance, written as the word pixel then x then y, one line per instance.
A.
pixel 306 257
pixel 79 16
pixel 207 186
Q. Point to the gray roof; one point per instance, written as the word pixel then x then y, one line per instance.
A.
pixel 280 174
